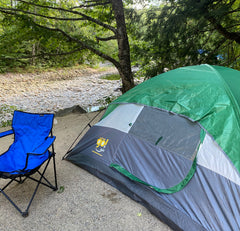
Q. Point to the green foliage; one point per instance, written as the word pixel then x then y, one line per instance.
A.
pixel 6 112
pixel 6 123
pixel 111 77
pixel 61 189
pixel 4 108
pixel 105 101
pixel 23 43
pixel 162 34
pixel 171 35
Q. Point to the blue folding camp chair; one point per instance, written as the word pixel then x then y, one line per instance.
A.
pixel 30 150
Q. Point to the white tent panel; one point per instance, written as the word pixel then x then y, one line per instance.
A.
pixel 212 157
pixel 122 118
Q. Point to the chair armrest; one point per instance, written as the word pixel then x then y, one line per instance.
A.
pixel 6 133
pixel 44 146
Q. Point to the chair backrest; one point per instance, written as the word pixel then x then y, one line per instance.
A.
pixel 31 129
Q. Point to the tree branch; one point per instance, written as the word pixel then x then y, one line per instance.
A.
pixel 86 17
pixel 91 5
pixel 238 24
pixel 106 39
pixel 223 31
pixel 73 39
pixel 40 15
pixel 233 11
pixel 83 45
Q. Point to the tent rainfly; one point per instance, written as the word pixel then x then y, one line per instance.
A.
pixel 172 143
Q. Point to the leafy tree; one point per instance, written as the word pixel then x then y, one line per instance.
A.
pixel 214 16
pixel 90 25
pixel 22 44
pixel 188 32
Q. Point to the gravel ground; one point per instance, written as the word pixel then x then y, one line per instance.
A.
pixel 55 91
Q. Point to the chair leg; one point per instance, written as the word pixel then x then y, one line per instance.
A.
pixel 39 182
pixel 55 172
pixel 25 213
pixel 54 166
pixel 47 184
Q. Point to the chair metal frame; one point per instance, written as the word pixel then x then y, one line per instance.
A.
pixel 22 176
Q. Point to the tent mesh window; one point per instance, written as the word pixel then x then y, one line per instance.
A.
pixel 171 132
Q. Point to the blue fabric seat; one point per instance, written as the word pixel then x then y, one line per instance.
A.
pixel 30 149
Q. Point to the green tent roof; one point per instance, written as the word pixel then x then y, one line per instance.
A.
pixel 207 94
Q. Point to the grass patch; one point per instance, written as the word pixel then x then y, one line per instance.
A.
pixel 105 101
pixel 7 123
pixel 6 113
pixel 43 69
pixel 111 77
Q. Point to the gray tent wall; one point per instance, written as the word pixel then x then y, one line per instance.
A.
pixel 174 218
pixel 208 202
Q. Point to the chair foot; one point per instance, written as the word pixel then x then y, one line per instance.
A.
pixel 25 214
pixel 55 189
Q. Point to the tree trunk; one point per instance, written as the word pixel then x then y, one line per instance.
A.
pixel 124 68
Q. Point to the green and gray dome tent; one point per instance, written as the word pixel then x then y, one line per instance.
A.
pixel 172 143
